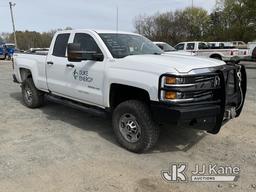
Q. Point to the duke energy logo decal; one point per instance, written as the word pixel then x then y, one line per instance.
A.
pixel 75 74
pixel 82 76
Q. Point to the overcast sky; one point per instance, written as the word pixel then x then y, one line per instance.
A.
pixel 44 15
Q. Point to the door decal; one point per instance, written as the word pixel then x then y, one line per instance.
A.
pixel 82 75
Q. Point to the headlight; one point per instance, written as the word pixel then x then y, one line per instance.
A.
pixel 171 80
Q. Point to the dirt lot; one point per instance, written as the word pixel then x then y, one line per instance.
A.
pixel 57 148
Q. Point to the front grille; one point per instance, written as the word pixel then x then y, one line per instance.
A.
pixel 205 88
pixel 201 94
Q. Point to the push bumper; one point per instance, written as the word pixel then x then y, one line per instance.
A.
pixel 208 115
pixel 202 117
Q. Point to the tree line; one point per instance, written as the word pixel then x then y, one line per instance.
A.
pixel 30 39
pixel 231 20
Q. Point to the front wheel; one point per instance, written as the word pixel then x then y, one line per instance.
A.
pixel 133 126
pixel 32 97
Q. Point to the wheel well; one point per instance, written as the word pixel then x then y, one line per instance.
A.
pixel 120 93
pixel 215 56
pixel 25 73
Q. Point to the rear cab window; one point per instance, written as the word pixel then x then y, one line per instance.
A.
pixel 60 46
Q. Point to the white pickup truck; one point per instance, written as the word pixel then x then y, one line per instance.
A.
pixel 127 76
pixel 168 49
pixel 204 50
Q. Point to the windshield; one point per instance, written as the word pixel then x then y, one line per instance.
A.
pixel 166 47
pixel 122 45
pixel 10 46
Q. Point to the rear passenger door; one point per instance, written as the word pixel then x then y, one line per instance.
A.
pixel 56 66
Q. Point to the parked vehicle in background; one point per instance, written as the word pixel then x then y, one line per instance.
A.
pixel 203 49
pixel 41 51
pixel 2 52
pixel 243 53
pixel 239 44
pixel 128 77
pixel 222 45
pixel 252 48
pixel 10 49
pixel 168 49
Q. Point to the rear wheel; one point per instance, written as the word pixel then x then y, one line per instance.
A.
pixel 32 97
pixel 134 127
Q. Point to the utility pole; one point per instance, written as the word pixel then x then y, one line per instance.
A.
pixel 117 19
pixel 192 3
pixel 13 24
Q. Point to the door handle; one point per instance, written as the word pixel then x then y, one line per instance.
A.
pixel 50 63
pixel 70 65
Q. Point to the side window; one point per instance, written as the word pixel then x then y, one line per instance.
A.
pixel 202 46
pixel 60 45
pixel 160 46
pixel 190 46
pixel 87 43
pixel 180 47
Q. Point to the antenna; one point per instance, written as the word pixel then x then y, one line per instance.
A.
pixel 117 18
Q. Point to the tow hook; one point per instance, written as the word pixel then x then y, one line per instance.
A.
pixel 230 113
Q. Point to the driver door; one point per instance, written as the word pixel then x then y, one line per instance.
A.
pixel 87 77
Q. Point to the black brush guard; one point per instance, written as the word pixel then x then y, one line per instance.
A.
pixel 209 115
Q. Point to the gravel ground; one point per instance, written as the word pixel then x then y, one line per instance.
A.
pixel 57 148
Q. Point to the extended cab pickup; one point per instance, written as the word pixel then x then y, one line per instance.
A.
pixel 204 49
pixel 127 76
pixel 168 49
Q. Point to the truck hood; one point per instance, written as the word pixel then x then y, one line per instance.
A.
pixel 166 63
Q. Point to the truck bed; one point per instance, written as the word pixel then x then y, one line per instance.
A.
pixel 36 63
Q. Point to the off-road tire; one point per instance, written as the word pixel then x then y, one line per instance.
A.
pixel 149 130
pixel 36 97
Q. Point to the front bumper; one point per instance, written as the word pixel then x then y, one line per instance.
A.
pixel 207 115
pixel 197 117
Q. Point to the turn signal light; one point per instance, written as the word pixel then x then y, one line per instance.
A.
pixel 170 95
pixel 170 80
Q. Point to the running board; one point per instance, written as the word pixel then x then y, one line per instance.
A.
pixel 77 105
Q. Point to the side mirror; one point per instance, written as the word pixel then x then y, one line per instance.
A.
pixel 76 54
